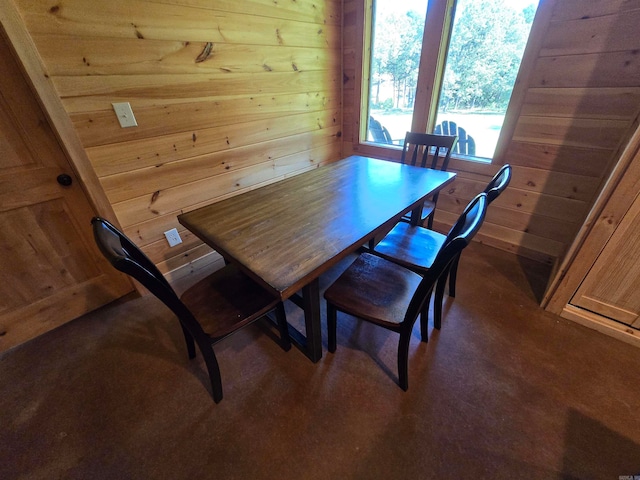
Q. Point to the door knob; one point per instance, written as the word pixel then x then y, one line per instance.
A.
pixel 64 180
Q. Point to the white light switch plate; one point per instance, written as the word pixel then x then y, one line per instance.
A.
pixel 125 114
pixel 173 237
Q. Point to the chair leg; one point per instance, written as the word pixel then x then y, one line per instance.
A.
pixel 403 359
pixel 424 321
pixel 212 367
pixel 283 327
pixel 188 338
pixel 429 220
pixel 439 300
pixel 332 326
pixel 453 273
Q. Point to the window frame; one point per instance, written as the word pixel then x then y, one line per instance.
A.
pixel 435 43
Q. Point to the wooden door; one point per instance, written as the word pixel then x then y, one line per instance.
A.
pixel 51 270
pixel 612 286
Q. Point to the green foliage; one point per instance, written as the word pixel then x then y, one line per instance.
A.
pixel 398 41
pixel 486 47
pixel 484 54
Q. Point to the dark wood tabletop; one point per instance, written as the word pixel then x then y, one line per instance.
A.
pixel 286 234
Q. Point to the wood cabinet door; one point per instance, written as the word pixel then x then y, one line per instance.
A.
pixel 612 286
pixel 51 269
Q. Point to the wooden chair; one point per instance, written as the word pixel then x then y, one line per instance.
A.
pixel 415 247
pixel 391 296
pixel 379 133
pixel 466 144
pixel 427 151
pixel 209 311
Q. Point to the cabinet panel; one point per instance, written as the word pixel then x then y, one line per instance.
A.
pixel 611 287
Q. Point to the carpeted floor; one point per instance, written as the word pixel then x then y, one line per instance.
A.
pixel 503 391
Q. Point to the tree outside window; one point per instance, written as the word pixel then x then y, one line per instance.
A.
pixel 484 52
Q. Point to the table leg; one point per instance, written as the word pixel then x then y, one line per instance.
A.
pixel 311 342
pixel 311 306
pixel 416 213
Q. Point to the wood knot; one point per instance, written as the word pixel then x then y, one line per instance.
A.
pixel 206 52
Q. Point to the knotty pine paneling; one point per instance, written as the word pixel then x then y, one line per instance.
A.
pixel 570 131
pixel 611 34
pixel 156 151
pixel 606 70
pixel 198 193
pixel 104 56
pixel 592 103
pixel 200 21
pixel 228 95
pixel 97 128
pixel 148 180
pixel 579 9
pixel 546 158
pixel 581 97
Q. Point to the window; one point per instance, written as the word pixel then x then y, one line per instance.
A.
pixel 397 30
pixel 472 53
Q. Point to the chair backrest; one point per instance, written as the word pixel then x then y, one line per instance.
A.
pixel 428 150
pixel 498 183
pixel 125 256
pixel 378 132
pixel 466 144
pixel 460 235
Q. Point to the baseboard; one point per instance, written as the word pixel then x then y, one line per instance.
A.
pixel 602 324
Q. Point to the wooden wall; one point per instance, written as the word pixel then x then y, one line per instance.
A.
pixel 228 95
pixel 576 102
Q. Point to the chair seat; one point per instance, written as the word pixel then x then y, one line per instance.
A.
pixel 213 308
pixel 374 289
pixel 413 247
pixel 226 300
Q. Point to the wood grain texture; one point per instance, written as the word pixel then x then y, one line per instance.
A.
pixel 601 34
pixel 101 128
pixel 124 56
pixel 156 151
pixel 52 271
pixel 345 204
pixel 228 96
pixel 600 103
pixel 140 19
pixel 148 180
pixel 577 9
pixel 611 286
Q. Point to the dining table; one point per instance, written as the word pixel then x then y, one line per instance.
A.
pixel 286 234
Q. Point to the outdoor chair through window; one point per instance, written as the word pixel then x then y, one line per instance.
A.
pixel 466 144
pixel 379 133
